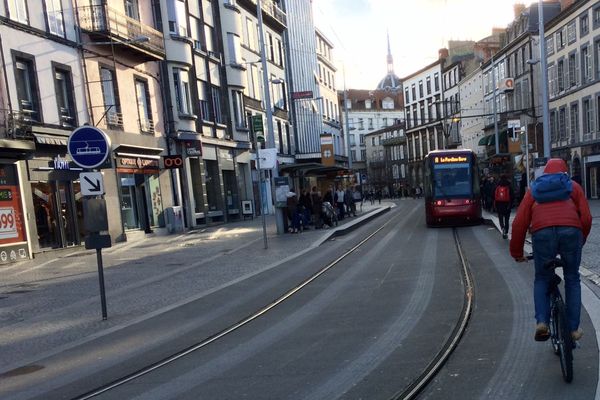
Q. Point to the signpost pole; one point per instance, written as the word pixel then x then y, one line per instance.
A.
pixel 101 279
pixel 260 178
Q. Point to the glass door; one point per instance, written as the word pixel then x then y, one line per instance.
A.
pixel 129 202
pixel 46 214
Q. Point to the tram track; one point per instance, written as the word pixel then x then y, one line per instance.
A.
pixel 408 393
pixel 436 364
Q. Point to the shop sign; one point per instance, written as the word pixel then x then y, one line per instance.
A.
pixel 173 162
pixel 61 163
pixel 193 148
pixel 138 163
pixel 327 156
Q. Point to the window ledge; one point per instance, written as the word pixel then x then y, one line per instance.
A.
pixel 189 117
pixel 238 66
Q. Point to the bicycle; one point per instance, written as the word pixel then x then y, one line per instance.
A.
pixel 560 336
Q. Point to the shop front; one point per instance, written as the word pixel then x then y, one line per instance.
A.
pixel 57 201
pixel 591 167
pixel 139 192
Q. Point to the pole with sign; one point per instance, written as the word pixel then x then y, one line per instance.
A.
pixel 254 125
pixel 89 148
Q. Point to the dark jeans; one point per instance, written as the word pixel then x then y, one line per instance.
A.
pixel 547 244
pixel 503 209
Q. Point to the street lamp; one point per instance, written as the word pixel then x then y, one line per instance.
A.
pixel 544 81
pixel 270 137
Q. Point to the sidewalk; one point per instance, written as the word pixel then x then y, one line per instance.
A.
pixel 590 257
pixel 51 306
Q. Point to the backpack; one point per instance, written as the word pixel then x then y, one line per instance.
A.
pixel 502 194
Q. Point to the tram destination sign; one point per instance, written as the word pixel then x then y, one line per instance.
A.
pixel 88 146
pixel 450 159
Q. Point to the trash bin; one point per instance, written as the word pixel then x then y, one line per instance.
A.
pixel 174 219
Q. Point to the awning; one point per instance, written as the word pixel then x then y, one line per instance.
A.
pixel 50 139
pixel 490 140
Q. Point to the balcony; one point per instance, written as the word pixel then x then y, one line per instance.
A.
pixel 16 124
pixel 270 9
pixel 103 23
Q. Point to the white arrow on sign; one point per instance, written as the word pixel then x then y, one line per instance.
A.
pixel 92 183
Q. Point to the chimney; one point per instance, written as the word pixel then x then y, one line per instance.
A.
pixel 565 4
pixel 443 53
pixel 519 8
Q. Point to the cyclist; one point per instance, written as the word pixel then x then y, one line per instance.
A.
pixel 558 215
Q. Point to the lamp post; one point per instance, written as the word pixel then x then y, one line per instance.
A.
pixel 544 80
pixel 270 139
pixel 346 123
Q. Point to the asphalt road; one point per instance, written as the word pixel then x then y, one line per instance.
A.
pixel 364 329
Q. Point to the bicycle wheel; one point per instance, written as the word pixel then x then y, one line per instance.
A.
pixel 565 342
pixel 554 327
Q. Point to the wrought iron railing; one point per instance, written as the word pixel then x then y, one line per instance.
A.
pixel 103 19
pixel 114 119
pixel 146 126
pixel 16 124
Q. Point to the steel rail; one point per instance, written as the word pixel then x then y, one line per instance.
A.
pixel 165 361
pixel 432 369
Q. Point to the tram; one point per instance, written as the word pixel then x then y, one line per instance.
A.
pixel 451 188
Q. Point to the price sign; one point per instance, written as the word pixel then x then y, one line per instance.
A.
pixel 8 227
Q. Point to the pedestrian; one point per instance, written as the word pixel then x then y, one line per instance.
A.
pixel 349 202
pixel 378 195
pixel 329 196
pixel 293 214
pixel 339 201
pixel 503 197
pixel 305 204
pixel 489 188
pixel 372 196
pixel 357 197
pixel 557 214
pixel 317 204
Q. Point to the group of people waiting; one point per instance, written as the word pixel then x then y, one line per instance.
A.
pixel 307 209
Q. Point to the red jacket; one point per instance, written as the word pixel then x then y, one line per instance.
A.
pixel 574 211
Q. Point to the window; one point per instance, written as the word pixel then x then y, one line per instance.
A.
pixel 271 50
pixel 251 38
pixel 210 38
pixel 562 124
pixel 553 132
pixel 588 119
pixel 414 92
pixel 177 18
pixel 373 144
pixel 561 75
pixel 143 105
pixel 596 14
pixel 574 133
pixel 27 88
pixel 572 70
pixel 17 11
pixel 112 106
pixel 63 86
pixel 406 96
pixel 584 25
pixel 370 123
pixel 233 42
pixel 428 85
pixel 216 104
pixel 368 104
pixel 363 154
pixel 54 17
pixel 238 109
pixel 571 32
pixel 362 140
pixel 182 91
pixel 421 89
pixel 387 103
pixel 586 65
pixel 131 9
pixel 597 58
pixel 560 39
pixel 361 124
pixel 550 45
pixel 385 122
pixel 436 82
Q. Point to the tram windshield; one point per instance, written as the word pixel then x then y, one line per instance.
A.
pixel 452 180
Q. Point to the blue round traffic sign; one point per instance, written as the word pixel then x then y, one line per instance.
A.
pixel 88 146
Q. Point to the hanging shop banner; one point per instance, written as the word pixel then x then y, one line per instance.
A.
pixel 13 240
pixel 193 148
pixel 173 162
pixel 327 156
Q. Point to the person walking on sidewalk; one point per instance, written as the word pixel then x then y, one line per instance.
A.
pixel 339 201
pixel 503 197
pixel 557 213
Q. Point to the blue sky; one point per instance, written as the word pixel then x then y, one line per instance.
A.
pixel 417 28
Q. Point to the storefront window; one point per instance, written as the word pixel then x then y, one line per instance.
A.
pixel 129 202
pixel 212 185
pixel 45 215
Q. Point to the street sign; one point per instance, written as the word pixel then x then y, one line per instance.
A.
pixel 88 146
pixel 91 183
pixel 257 123
pixel 308 94
pixel 513 123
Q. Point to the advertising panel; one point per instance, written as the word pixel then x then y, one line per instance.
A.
pixel 13 239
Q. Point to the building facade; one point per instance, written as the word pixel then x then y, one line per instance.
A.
pixel 573 51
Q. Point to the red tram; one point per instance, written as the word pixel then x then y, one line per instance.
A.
pixel 451 188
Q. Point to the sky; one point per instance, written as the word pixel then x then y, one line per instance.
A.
pixel 417 29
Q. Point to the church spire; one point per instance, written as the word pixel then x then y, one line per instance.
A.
pixel 390 60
